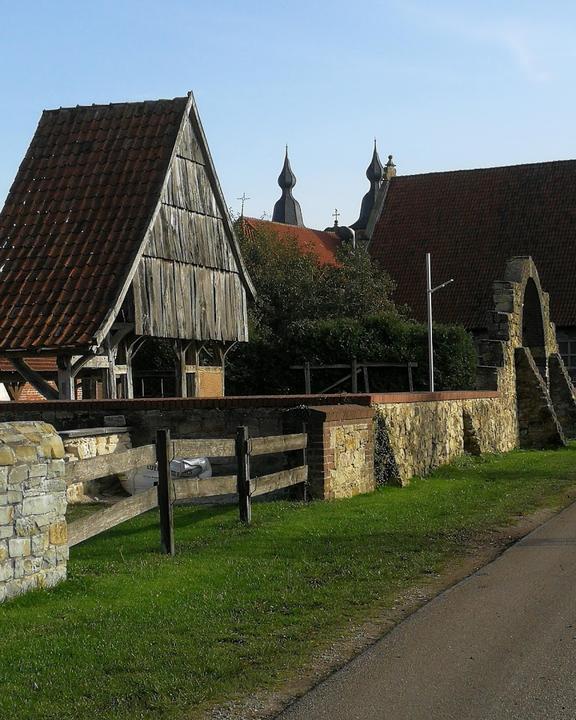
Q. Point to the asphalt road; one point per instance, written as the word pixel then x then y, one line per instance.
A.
pixel 500 644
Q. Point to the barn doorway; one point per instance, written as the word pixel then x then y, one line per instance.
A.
pixel 533 335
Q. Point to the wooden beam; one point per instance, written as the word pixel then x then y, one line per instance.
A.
pixel 13 389
pixel 278 480
pixel 79 362
pixel 98 522
pixel 129 376
pixel 118 332
pixel 34 378
pixel 182 367
pixel 110 370
pixel 218 447
pixel 354 367
pixel 65 378
pixel 111 464
pixel 307 379
pixel 278 443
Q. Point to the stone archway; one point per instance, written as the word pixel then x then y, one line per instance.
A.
pixel 520 358
pixel 533 333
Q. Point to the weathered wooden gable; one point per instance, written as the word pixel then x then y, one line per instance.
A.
pixel 188 283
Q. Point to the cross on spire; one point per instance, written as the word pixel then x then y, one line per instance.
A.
pixel 243 198
pixel 336 215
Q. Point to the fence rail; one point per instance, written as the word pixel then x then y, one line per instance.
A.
pixel 104 465
pixel 242 486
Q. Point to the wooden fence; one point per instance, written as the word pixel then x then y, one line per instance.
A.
pixel 169 490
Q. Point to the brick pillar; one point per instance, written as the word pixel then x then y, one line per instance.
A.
pixel 340 449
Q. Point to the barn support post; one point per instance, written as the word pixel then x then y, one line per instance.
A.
pixel 65 378
pixel 197 349
pixel 182 366
pixel 131 347
pixel 110 370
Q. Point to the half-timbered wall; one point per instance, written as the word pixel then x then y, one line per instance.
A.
pixel 188 283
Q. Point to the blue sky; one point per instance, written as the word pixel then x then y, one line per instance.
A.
pixel 442 85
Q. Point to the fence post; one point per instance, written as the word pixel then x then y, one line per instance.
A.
pixel 243 473
pixel 165 492
pixel 305 462
pixel 307 379
pixel 354 372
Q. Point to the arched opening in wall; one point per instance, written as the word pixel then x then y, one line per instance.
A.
pixel 533 336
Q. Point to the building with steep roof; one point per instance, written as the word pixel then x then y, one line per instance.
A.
pixel 116 231
pixel 472 222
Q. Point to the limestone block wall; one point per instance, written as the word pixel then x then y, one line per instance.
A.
pixel 33 537
pixel 423 433
pixel 90 443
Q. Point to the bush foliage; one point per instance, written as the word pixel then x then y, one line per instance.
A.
pixel 328 314
pixel 263 366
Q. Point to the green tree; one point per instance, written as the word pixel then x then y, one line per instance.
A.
pixel 292 285
pixel 327 313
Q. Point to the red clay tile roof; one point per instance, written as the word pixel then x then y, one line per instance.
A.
pixel 76 216
pixel 39 363
pixel 472 222
pixel 315 242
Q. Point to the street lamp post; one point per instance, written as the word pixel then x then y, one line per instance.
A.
pixel 429 291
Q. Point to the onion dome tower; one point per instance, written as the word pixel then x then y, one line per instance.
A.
pixel 287 208
pixel 375 173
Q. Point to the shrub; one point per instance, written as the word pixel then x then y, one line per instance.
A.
pixel 263 366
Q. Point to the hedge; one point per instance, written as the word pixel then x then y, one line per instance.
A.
pixel 263 365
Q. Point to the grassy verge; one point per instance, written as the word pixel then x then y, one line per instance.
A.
pixel 133 634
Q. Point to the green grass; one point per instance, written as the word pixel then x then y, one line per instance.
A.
pixel 133 634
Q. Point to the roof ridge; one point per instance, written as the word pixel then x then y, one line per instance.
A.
pixel 116 104
pixel 485 169
pixel 247 218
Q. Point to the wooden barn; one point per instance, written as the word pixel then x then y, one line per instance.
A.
pixel 115 233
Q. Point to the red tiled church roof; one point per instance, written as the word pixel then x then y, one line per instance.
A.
pixel 76 216
pixel 323 245
pixel 472 222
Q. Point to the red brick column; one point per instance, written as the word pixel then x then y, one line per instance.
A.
pixel 340 448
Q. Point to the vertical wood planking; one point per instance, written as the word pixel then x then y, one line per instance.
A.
pixel 165 493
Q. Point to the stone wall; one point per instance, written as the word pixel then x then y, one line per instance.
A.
pixel 562 394
pixel 33 538
pixel 533 398
pixel 91 443
pixel 420 436
pixel 340 452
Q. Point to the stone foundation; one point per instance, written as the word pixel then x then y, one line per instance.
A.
pixel 33 537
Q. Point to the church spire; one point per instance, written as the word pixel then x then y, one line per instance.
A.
pixel 376 173
pixel 287 208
